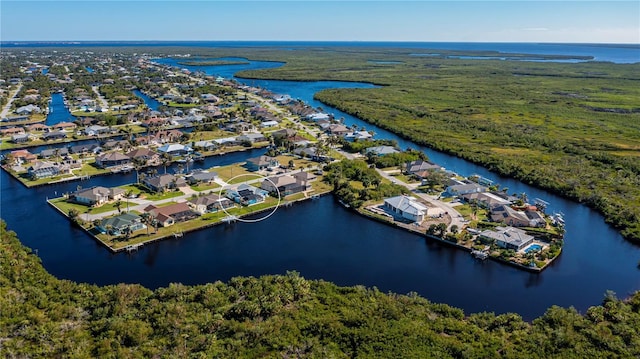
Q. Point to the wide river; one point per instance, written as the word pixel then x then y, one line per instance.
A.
pixel 322 240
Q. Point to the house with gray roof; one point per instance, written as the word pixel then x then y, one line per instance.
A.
pixel 112 159
pixel 210 203
pixel 164 182
pixel 507 237
pixel 62 151
pixel 119 224
pixel 54 135
pixel 42 169
pixel 96 196
pixel 261 163
pixel 418 166
pixel 202 177
pixel 251 137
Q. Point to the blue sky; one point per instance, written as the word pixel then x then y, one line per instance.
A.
pixel 472 21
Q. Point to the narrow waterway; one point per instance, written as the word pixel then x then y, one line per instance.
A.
pixel 322 240
pixel 58 111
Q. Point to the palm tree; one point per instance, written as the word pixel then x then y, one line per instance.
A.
pixel 166 159
pixel 128 194
pixel 147 220
pixel 118 204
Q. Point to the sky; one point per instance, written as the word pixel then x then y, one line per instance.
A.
pixel 327 20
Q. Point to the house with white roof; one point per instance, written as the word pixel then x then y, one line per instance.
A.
pixel 409 208
pixel 174 149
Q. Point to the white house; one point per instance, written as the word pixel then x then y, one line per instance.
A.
pixel 407 207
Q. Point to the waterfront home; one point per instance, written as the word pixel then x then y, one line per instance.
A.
pixel 66 164
pixel 38 127
pixel 85 148
pixel 205 145
pixel 42 169
pixel 318 116
pixel 284 185
pixel 54 135
pixel 409 208
pixel 169 215
pixel 357 135
pixel 112 159
pixel 175 149
pixel 247 195
pixel 251 137
pixel 507 237
pixel 122 223
pixel 485 199
pixel 115 145
pixel 381 150
pixel 419 166
pixel 210 203
pixel 145 155
pixel 96 130
pixel 227 141
pixel 20 138
pixel 164 182
pixel 202 177
pixel 509 216
pixel 23 156
pixel 96 196
pixel 262 163
pixel 462 189
pixel 51 152
pixel 336 129
pixel 62 126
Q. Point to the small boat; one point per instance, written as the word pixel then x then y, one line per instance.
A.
pixel 480 254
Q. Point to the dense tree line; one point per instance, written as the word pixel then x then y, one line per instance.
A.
pixel 281 316
pixel 344 176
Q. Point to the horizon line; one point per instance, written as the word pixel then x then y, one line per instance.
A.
pixel 314 41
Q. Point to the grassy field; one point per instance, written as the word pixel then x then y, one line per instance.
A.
pixel 571 128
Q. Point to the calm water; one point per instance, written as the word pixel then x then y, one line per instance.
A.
pixel 152 103
pixel 322 240
pixel 58 111
pixel 619 53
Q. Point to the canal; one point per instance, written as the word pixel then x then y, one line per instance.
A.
pixel 322 240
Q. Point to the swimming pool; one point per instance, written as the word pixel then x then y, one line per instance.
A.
pixel 533 248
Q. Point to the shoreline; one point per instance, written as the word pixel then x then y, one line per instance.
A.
pixel 136 246
pixel 455 245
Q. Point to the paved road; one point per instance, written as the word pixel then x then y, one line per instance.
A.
pixel 5 110
pixel 103 102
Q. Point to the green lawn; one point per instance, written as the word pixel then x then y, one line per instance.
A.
pixel 228 172
pixel 205 187
pixel 64 206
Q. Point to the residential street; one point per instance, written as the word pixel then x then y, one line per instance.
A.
pixel 5 110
